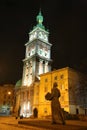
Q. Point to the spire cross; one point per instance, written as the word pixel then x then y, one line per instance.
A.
pixel 40 18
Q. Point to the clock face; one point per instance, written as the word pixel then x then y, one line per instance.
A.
pixel 43 36
pixel 40 35
pixel 33 36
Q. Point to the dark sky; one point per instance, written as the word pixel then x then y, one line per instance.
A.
pixel 67 24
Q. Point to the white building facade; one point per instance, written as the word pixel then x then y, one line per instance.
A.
pixel 37 61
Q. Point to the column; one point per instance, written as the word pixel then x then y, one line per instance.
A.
pixel 30 73
pixel 46 67
pixel 41 67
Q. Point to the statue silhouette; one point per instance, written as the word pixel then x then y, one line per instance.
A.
pixel 57 114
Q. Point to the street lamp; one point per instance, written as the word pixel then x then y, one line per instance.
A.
pixel 10 107
pixel 9 93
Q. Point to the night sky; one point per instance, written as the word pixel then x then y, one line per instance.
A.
pixel 67 24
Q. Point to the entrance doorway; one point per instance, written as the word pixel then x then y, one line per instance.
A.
pixel 35 112
pixel 77 111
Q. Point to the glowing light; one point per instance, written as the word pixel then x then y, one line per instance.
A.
pixel 9 93
pixel 28 106
pixel 24 107
pixel 25 83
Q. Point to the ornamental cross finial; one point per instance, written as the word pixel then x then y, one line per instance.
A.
pixel 39 18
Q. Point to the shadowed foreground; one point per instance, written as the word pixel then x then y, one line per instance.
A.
pixel 46 124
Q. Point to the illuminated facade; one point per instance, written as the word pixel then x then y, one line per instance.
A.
pixel 37 58
pixel 37 61
pixel 72 85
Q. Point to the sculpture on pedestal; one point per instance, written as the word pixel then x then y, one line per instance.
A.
pixel 57 114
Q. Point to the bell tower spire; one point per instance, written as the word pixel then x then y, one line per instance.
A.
pixel 37 61
pixel 39 20
pixel 38 53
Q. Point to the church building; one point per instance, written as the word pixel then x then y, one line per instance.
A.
pixel 38 79
pixel 37 61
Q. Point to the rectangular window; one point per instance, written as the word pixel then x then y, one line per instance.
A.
pixel 62 86
pixel 45 110
pixel 5 96
pixel 29 54
pixel 22 95
pixel 55 77
pixel 40 52
pixel 27 95
pixel 62 76
pixel 9 97
pixel 45 54
pixel 46 80
pixel 45 89
pixel 4 102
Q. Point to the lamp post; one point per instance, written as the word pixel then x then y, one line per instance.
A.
pixel 9 97
pixel 9 102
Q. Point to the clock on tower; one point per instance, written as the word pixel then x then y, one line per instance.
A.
pixel 33 36
pixel 43 36
pixel 37 52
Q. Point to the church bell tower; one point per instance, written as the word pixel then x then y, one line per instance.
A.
pixel 38 53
